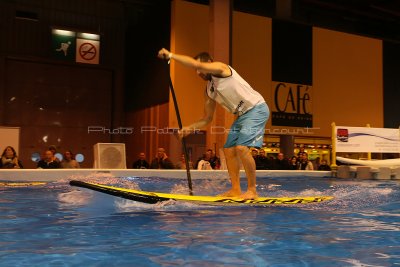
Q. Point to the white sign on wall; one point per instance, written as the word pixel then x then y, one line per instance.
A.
pixel 364 139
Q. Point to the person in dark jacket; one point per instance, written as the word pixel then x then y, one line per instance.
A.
pixel 262 162
pixel 48 161
pixel 324 166
pixel 281 163
pixel 162 161
pixel 141 163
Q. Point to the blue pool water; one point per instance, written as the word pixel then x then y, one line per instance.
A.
pixel 59 225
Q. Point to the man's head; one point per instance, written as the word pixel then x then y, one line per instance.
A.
pixel 68 155
pixel 209 153
pixel 160 153
pixel 204 57
pixel 304 156
pixel 142 156
pixel 48 155
pixel 52 149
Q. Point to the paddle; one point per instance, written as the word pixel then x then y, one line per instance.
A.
pixel 178 116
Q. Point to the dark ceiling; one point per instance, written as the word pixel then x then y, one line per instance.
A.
pixel 373 18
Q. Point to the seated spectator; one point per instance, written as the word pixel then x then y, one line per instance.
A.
pixel 141 163
pixel 305 164
pixel 161 161
pixel 281 163
pixel 208 159
pixel 48 161
pixel 9 159
pixel 204 165
pixel 293 163
pixel 214 160
pixel 262 162
pixel 316 163
pixel 324 166
pixel 182 163
pixel 301 152
pixel 254 153
pixel 69 161
pixel 54 151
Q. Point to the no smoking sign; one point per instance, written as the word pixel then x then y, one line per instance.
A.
pixel 87 51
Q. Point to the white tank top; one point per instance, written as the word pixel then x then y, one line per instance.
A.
pixel 233 93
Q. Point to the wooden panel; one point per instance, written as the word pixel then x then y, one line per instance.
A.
pixel 56 105
pixel 347 84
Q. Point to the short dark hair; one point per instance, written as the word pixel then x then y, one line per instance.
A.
pixel 204 57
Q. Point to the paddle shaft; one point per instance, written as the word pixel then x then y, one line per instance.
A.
pixel 178 116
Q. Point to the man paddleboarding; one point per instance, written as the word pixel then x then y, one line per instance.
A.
pixel 227 88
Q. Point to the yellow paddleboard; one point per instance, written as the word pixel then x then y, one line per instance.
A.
pixel 21 184
pixel 153 197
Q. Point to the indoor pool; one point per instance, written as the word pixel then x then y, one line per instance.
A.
pixel 60 225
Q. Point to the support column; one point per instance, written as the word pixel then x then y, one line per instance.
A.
pixel 220 29
pixel 287 145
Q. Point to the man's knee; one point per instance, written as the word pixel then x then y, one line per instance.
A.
pixel 229 150
pixel 242 149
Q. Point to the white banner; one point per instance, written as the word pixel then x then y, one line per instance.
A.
pixel 364 139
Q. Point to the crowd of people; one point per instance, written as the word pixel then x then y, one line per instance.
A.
pixel 300 161
pixel 10 160
pixel 209 161
pixel 296 162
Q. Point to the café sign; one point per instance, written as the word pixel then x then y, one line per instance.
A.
pixel 292 105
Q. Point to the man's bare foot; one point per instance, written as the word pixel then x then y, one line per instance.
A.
pixel 249 195
pixel 231 193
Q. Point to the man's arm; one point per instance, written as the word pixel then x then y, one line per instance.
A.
pixel 209 109
pixel 215 68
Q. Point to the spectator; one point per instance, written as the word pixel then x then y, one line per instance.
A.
pixel 9 159
pixel 141 163
pixel 182 163
pixel 301 152
pixel 48 161
pixel 293 163
pixel 161 161
pixel 305 164
pixel 316 163
pixel 54 151
pixel 69 161
pixel 262 162
pixel 208 161
pixel 324 166
pixel 214 160
pixel 254 153
pixel 281 163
